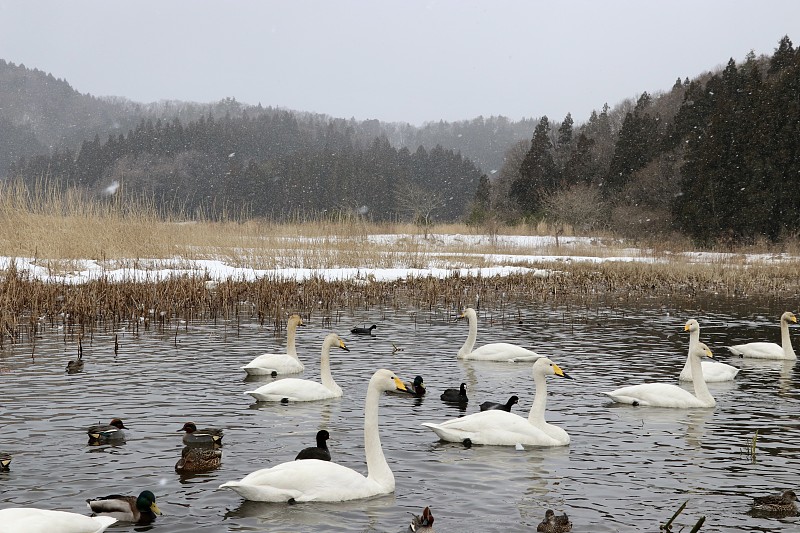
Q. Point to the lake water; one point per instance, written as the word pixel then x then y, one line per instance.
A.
pixel 627 468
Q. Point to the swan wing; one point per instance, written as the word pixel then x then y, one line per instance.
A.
pixel 268 363
pixel 293 389
pixel 304 481
pixel 502 351
pixel 758 350
pixel 494 427
pixel 656 395
pixel 32 520
pixel 713 372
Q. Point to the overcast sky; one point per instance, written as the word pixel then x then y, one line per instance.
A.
pixel 406 60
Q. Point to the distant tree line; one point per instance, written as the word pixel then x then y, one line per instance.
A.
pixel 716 158
pixel 267 166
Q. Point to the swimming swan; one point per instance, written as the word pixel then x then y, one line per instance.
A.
pixel 32 520
pixel 713 371
pixel 667 394
pixel 279 363
pixel 304 390
pixel 497 351
pixel 501 428
pixel 324 481
pixel 770 350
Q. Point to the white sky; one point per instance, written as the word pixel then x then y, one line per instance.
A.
pixel 398 60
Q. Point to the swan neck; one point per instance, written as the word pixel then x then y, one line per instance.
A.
pixel 694 339
pixel 377 468
pixel 786 342
pixel 700 387
pixel 325 368
pixel 469 344
pixel 536 416
pixel 291 331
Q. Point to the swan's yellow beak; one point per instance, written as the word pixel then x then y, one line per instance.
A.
pixel 460 316
pixel 342 346
pixel 708 352
pixel 559 372
pixel 686 327
pixel 154 508
pixel 399 384
pixel 793 319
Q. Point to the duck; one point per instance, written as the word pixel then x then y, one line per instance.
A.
pixel 770 350
pixel 109 433
pixel 195 460
pixel 417 387
pixel 5 461
pixel 667 394
pixel 783 503
pixel 304 390
pixel 422 523
pixel 34 520
pixel 554 524
pixel 326 481
pixel 455 395
pixel 269 364
pixel 486 406
pixel 76 365
pixel 501 428
pixel 364 331
pixel 141 509
pixel 497 351
pixel 713 371
pixel 320 451
pixel 205 436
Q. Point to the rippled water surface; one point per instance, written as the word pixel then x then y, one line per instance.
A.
pixel 627 468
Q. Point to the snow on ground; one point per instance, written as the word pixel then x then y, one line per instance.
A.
pixel 442 264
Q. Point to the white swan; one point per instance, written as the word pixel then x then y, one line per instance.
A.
pixel 33 520
pixel 770 350
pixel 279 363
pixel 325 481
pixel 305 390
pixel 667 394
pixel 497 351
pixel 713 371
pixel 501 428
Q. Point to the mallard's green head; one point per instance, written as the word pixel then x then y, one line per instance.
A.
pixel 147 502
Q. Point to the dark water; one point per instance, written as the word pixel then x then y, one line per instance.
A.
pixel 627 469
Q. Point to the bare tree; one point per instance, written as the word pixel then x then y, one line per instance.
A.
pixel 418 203
pixel 580 206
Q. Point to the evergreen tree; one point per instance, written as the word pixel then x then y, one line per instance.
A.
pixel 537 174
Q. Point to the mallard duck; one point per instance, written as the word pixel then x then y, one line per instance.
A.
pixel 320 451
pixel 770 350
pixel 205 436
pixel 455 395
pixel 554 524
pixel 496 351
pixel 76 365
pixel 422 523
pixel 142 509
pixel 5 461
pixel 32 520
pixel 417 388
pixel 784 503
pixel 486 406
pixel 327 481
pixel 363 331
pixel 272 364
pixel 110 433
pixel 195 459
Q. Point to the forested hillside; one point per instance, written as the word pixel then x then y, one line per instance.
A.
pixel 715 158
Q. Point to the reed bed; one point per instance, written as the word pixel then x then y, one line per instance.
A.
pixel 28 304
